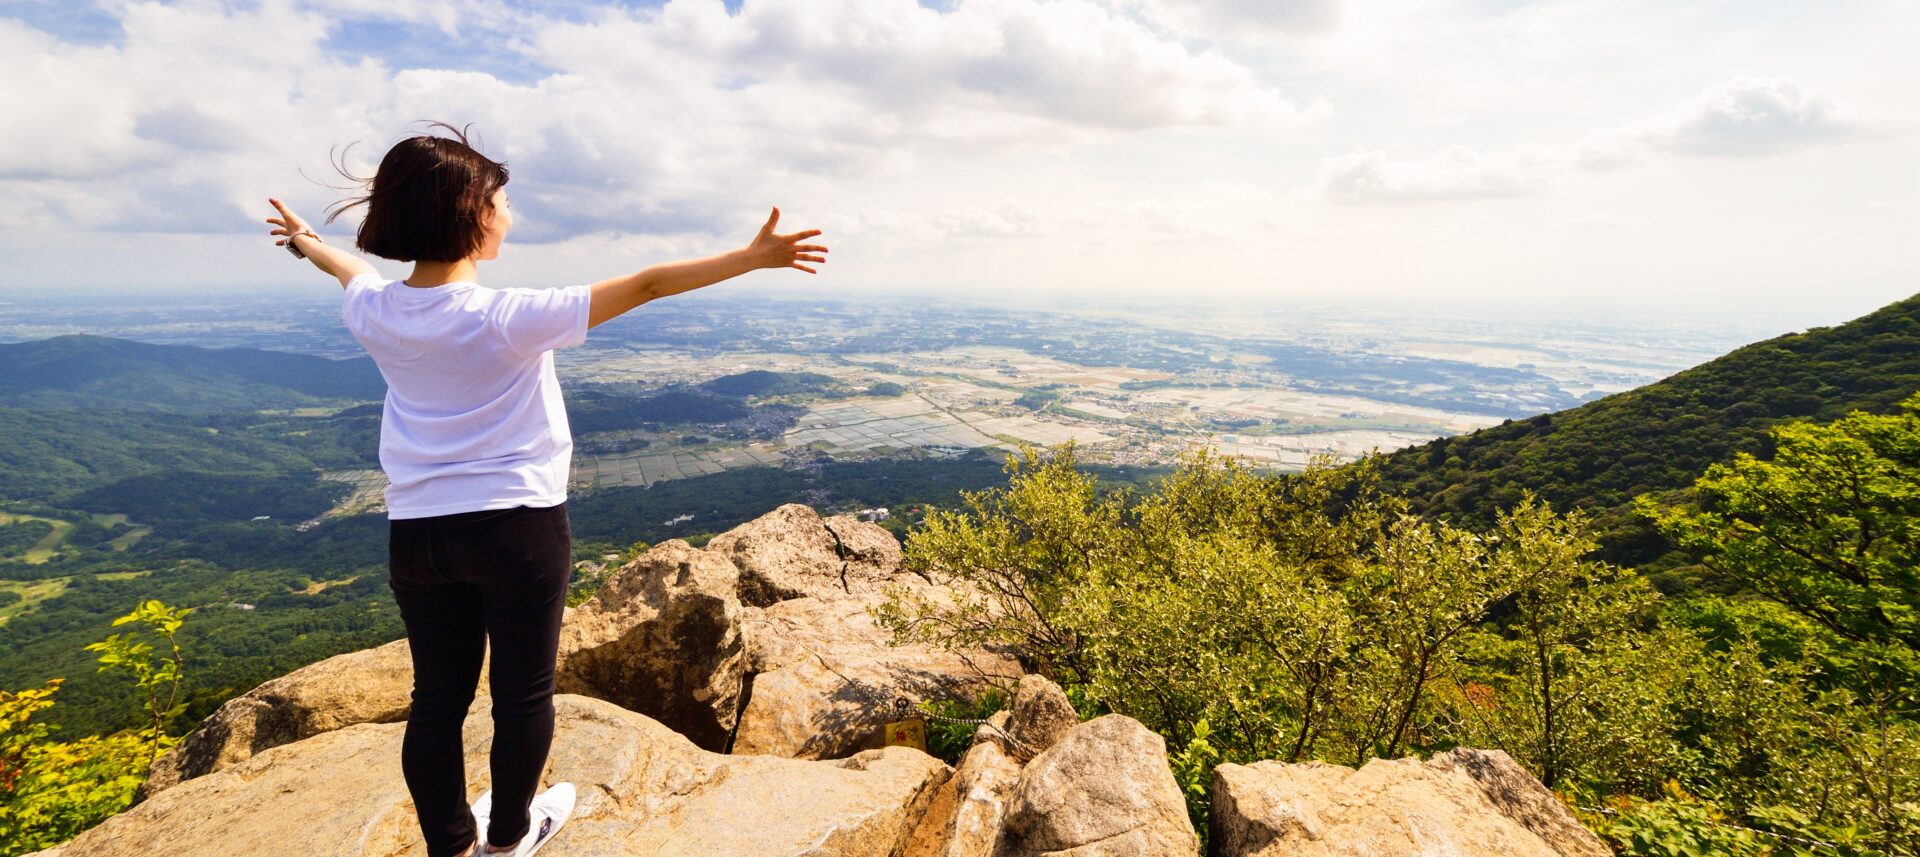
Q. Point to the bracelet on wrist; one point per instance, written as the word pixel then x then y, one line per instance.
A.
pixel 296 250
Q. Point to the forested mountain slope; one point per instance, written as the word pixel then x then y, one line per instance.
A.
pixel 1662 436
pixel 83 371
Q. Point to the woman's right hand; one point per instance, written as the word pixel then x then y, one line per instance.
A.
pixel 770 250
pixel 289 224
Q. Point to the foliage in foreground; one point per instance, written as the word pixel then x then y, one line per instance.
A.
pixel 1247 616
pixel 50 791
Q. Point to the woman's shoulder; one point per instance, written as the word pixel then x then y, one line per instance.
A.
pixel 368 280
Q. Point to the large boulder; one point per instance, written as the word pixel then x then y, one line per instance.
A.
pixel 1460 802
pixel 370 686
pixel 824 678
pixel 1103 790
pixel 792 552
pixel 643 790
pixel 964 818
pixel 662 637
pixel 1522 798
pixel 1040 715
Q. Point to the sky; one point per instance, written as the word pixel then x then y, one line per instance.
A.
pixel 1745 157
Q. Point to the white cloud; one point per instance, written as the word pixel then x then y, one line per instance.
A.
pixel 653 119
pixel 1242 19
pixel 1752 116
pixel 1069 62
pixel 1019 219
pixel 1745 116
pixel 1040 144
pixel 1454 173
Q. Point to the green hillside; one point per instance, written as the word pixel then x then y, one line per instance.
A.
pixel 761 382
pixel 1660 437
pixel 53 456
pixel 82 371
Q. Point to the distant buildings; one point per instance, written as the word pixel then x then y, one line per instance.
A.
pixel 875 514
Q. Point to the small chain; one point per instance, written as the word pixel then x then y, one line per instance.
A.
pixel 903 707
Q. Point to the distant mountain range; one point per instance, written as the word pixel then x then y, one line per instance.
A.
pixel 1662 436
pixel 100 372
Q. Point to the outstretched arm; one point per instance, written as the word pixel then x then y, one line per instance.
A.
pixel 768 250
pixel 337 262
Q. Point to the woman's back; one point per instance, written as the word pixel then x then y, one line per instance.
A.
pixel 473 417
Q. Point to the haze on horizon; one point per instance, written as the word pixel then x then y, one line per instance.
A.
pixel 1643 157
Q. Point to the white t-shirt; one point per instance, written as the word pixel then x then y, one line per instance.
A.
pixel 473 417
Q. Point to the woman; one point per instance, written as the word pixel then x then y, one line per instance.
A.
pixel 475 444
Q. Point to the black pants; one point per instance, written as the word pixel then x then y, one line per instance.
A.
pixel 460 579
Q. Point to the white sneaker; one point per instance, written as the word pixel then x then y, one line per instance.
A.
pixel 481 808
pixel 546 813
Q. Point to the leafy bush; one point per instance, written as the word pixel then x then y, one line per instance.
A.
pixel 1193 770
pixel 1681 825
pixel 51 791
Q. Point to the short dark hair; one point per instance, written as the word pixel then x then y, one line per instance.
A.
pixel 428 200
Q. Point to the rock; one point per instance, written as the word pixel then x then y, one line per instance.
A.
pixel 666 636
pixel 1103 790
pixel 1524 799
pixel 1461 802
pixel 369 686
pixel 643 790
pixel 792 552
pixel 824 677
pixel 870 550
pixel 964 817
pixel 662 638
pixel 1041 714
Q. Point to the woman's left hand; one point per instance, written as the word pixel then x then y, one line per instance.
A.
pixel 769 250
pixel 288 222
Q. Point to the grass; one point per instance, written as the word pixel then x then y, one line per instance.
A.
pixel 42 550
pixel 120 575
pixel 31 592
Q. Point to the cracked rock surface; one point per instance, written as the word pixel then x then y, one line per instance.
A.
pixel 1459 802
pixel 643 790
pixel 1102 790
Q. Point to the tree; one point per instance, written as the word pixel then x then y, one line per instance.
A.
pixel 160 682
pixel 1025 552
pixel 50 791
pixel 1830 526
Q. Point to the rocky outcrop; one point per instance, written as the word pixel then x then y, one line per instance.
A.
pixel 963 820
pixel 762 644
pixel 792 552
pixel 1460 802
pixel 1104 790
pixel 370 686
pixel 965 817
pixel 1040 716
pixel 643 790
pixel 669 636
pixel 825 678
pixel 662 638
pixel 1520 797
